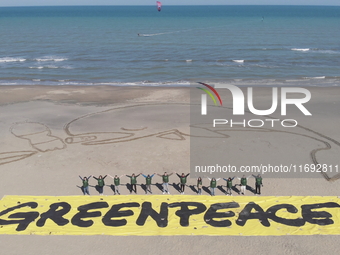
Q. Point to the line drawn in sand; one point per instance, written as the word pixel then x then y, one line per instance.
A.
pixel 9 157
pixel 120 131
pixel 38 135
pixel 116 129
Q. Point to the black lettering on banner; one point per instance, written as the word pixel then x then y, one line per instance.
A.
pixel 56 216
pixel 160 218
pixel 310 216
pixel 83 213
pixel 271 214
pixel 184 213
pixel 212 213
pixel 115 213
pixel 25 217
pixel 246 214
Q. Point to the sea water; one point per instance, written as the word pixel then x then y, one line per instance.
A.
pixel 137 45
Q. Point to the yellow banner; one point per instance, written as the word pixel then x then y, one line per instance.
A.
pixel 169 215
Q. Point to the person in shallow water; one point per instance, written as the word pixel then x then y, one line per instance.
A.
pixel 133 182
pixel 85 187
pixel 183 179
pixel 101 184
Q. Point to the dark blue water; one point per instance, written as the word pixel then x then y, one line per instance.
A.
pixel 100 45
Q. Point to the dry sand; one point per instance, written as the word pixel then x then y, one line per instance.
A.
pixel 50 135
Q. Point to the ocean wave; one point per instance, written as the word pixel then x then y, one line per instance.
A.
pixel 50 67
pixel 327 51
pixel 238 60
pixel 303 49
pixel 265 66
pixel 36 67
pixel 316 77
pixel 298 81
pixel 55 59
pixel 9 59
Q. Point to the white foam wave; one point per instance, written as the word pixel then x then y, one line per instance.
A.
pixel 36 67
pixel 44 59
pixel 188 60
pixel 328 51
pixel 8 59
pixel 51 67
pixel 316 77
pixel 238 60
pixel 297 49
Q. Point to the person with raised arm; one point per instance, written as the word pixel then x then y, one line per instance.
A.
pixel 101 184
pixel 116 183
pixel 229 185
pixel 183 179
pixel 148 179
pixel 199 186
pixel 133 182
pixel 213 185
pixel 243 183
pixel 258 184
pixel 85 187
pixel 165 179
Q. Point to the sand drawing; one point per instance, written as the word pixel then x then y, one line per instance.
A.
pixel 38 135
pixel 118 129
pixel 8 157
pixel 114 126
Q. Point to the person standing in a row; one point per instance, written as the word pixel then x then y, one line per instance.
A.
pixel 229 185
pixel 165 178
pixel 133 182
pixel 116 182
pixel 199 186
pixel 183 179
pixel 148 179
pixel 244 180
pixel 258 184
pixel 101 184
pixel 213 185
pixel 85 187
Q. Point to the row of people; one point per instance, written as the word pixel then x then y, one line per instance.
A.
pixel 165 183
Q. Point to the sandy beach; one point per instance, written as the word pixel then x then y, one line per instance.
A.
pixel 50 135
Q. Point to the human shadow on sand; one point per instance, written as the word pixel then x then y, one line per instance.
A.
pixel 206 189
pixel 193 188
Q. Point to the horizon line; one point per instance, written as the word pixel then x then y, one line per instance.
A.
pixel 93 5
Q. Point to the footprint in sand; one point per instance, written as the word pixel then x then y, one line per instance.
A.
pixel 39 136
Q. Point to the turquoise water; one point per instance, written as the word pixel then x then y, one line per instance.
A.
pixel 100 45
